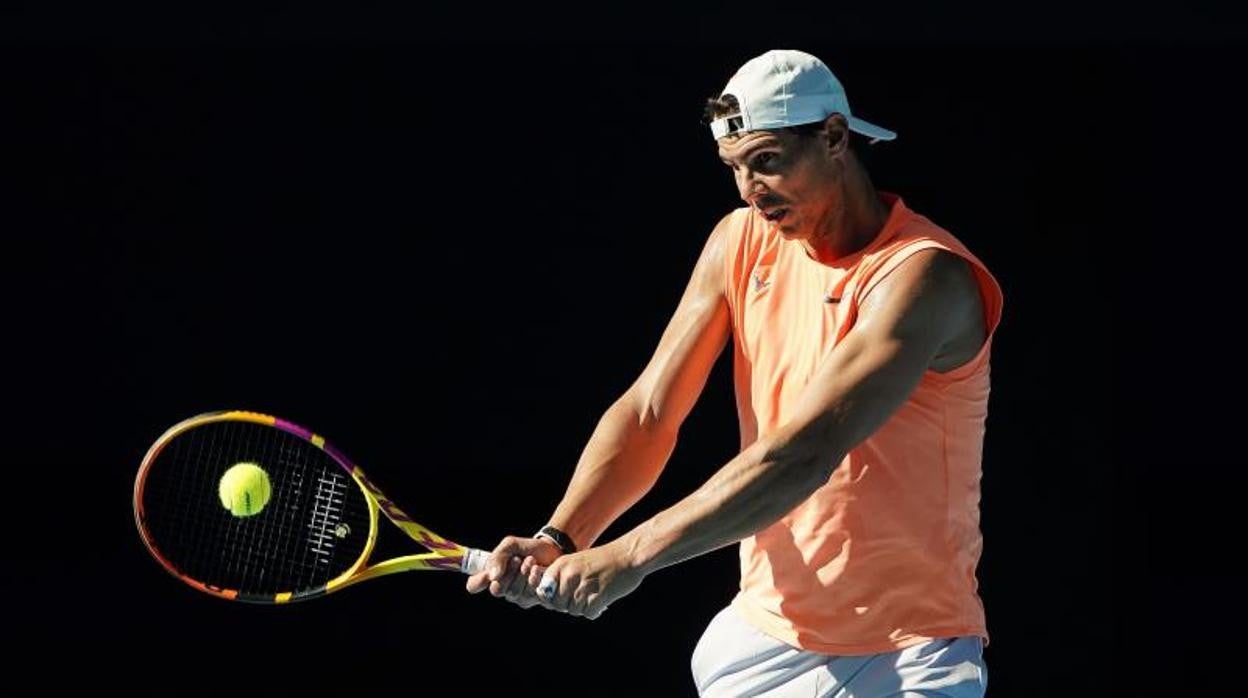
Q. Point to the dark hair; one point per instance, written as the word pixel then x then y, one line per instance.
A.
pixel 726 104
pixel 722 105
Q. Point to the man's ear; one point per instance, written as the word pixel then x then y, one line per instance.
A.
pixel 836 134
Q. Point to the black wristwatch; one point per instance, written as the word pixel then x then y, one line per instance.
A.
pixel 561 540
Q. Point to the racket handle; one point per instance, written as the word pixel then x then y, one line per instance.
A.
pixel 474 561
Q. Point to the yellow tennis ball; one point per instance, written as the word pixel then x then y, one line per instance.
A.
pixel 244 489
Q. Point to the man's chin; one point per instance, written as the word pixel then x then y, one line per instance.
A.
pixel 790 232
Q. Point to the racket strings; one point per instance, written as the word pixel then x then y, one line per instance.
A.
pixel 327 511
pixel 314 527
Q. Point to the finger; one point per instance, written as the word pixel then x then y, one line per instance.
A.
pixel 496 566
pixel 547 588
pixel 477 583
pixel 577 602
pixel 526 565
pixel 510 575
pixel 594 606
pixel 536 572
pixel 516 586
pixel 563 593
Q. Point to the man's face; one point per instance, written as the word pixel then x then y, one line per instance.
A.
pixel 789 178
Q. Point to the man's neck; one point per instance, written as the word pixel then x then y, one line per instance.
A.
pixel 855 225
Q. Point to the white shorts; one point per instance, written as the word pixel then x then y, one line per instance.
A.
pixel 735 659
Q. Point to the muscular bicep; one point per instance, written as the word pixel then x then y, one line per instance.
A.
pixel 927 305
pixel 673 379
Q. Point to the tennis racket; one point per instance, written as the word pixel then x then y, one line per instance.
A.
pixel 314 534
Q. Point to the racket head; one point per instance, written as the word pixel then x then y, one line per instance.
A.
pixel 316 531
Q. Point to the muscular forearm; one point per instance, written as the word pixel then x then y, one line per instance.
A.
pixel 619 465
pixel 763 483
pixel 854 393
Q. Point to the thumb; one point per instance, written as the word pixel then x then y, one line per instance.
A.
pixel 478 582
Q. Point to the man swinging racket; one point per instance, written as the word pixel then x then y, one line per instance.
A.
pixel 861 334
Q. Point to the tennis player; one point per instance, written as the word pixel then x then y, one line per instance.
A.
pixel 860 333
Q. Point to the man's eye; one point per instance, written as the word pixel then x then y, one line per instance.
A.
pixel 764 159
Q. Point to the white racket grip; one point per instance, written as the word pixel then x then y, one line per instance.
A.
pixel 474 561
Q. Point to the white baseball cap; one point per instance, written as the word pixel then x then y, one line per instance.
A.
pixel 788 88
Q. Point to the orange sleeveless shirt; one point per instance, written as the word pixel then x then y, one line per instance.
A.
pixel 883 556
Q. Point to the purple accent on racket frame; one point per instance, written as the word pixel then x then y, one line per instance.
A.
pixel 447 563
pixel 337 455
pixel 432 544
pixel 292 428
pixel 393 511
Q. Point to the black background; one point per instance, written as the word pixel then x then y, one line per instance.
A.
pixel 448 241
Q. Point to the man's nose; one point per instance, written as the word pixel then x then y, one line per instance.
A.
pixel 747 183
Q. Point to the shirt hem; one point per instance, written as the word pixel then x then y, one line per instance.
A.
pixel 764 623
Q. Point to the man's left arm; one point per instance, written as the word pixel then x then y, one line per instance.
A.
pixel 929 302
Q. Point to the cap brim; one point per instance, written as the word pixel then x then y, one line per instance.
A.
pixel 870 130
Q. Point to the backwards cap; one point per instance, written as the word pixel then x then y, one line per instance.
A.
pixel 788 88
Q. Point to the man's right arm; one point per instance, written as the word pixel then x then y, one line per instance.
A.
pixel 636 435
